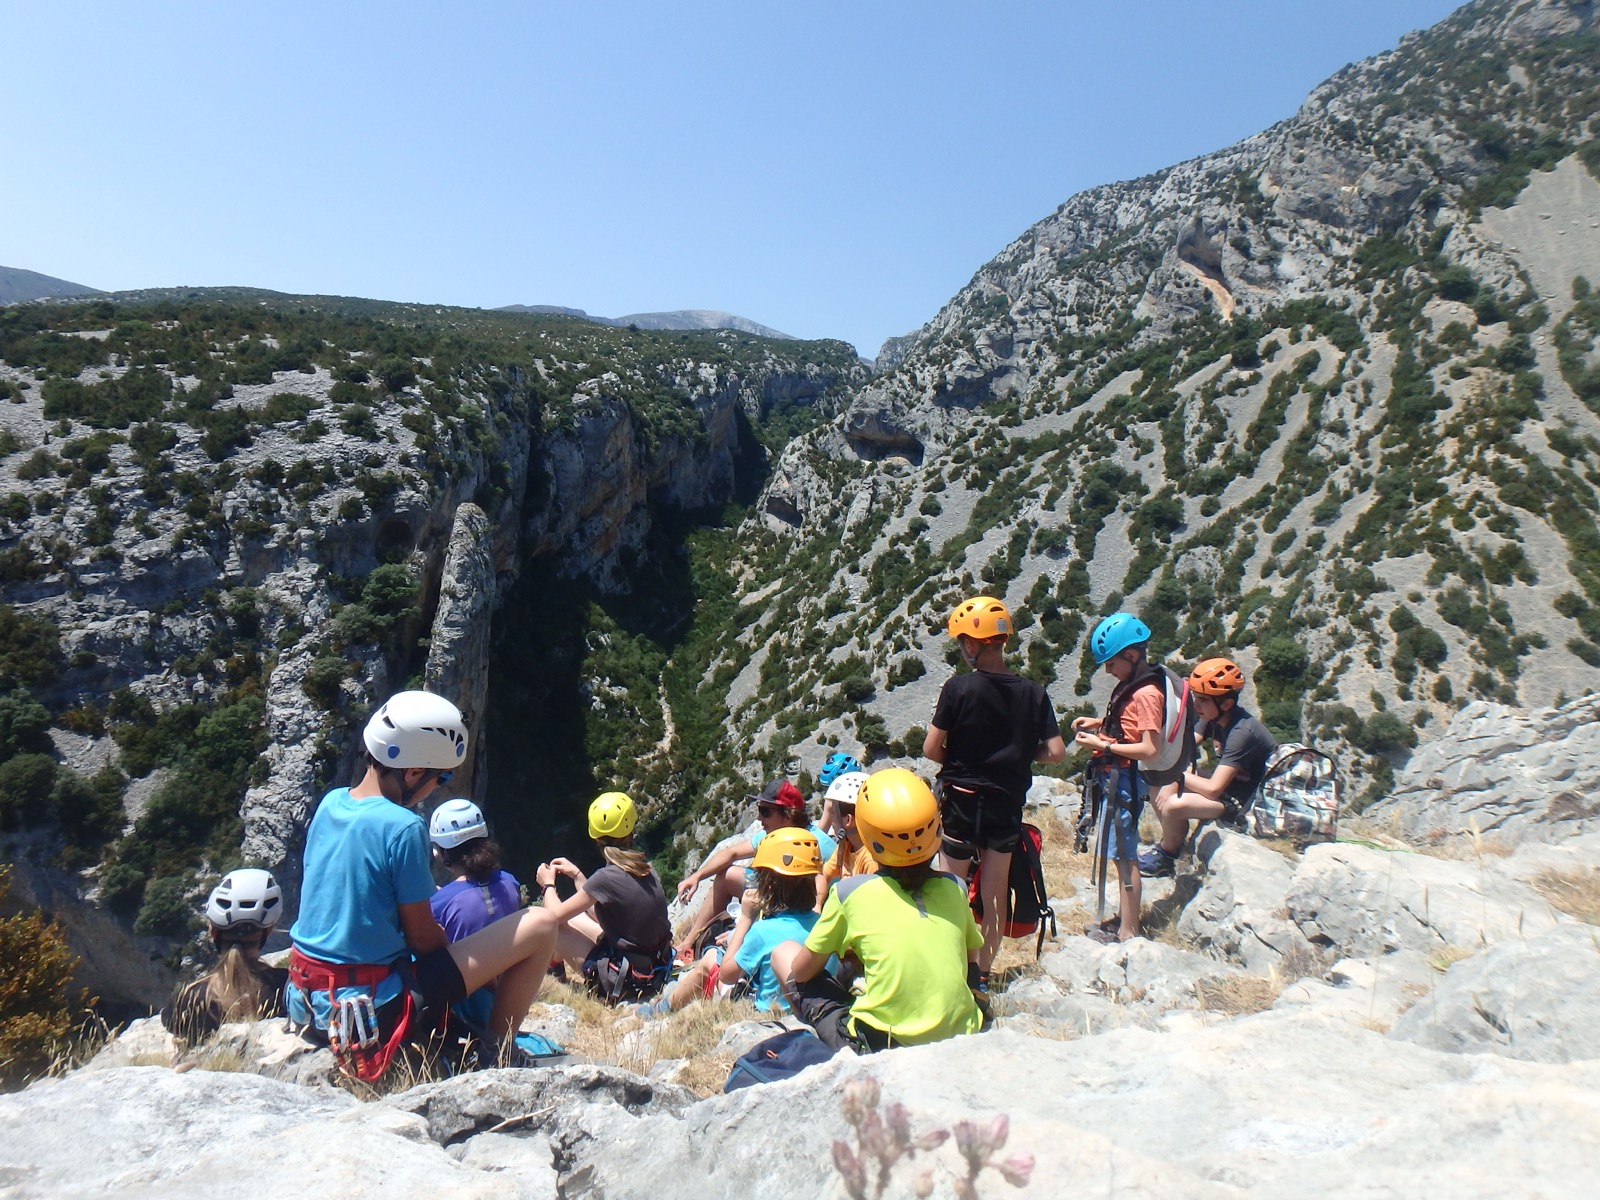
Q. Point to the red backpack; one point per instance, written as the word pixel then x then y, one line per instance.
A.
pixel 1030 899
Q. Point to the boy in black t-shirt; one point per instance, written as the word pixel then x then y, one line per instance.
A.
pixel 988 728
pixel 1242 744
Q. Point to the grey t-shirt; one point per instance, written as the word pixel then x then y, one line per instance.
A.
pixel 1245 746
pixel 630 909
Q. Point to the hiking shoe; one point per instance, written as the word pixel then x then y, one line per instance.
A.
pixel 1102 936
pixel 1156 863
pixel 557 970
pixel 652 1009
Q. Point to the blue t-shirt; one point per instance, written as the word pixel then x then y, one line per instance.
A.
pixel 755 954
pixel 464 907
pixel 364 858
pixel 826 843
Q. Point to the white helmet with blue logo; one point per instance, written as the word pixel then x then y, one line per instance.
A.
pixel 417 729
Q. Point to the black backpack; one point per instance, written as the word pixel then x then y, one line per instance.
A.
pixel 1030 898
pixel 777 1058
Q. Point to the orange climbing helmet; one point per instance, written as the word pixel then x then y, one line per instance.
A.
pixel 982 617
pixel 898 818
pixel 1216 677
pixel 789 852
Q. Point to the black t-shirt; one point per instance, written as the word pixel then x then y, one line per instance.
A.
pixel 630 909
pixel 1245 746
pixel 993 726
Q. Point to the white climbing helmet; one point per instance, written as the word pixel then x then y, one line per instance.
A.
pixel 456 821
pixel 246 901
pixel 844 789
pixel 417 729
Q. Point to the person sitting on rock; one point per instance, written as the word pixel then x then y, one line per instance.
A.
pixel 779 806
pixel 909 926
pixel 1242 745
pixel 838 763
pixel 1120 740
pixel 479 892
pixel 241 911
pixel 369 956
pixel 780 908
pixel 988 729
pixel 851 857
pixel 615 924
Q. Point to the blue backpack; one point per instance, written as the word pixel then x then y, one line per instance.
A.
pixel 780 1057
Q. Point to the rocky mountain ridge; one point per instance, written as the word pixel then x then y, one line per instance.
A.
pixel 18 286
pixel 683 318
pixel 1325 400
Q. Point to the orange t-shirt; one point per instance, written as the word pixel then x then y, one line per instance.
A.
pixel 1146 710
pixel 846 863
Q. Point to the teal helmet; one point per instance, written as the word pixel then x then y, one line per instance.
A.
pixel 1115 634
pixel 838 764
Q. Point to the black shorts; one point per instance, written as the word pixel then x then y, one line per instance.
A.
pixel 823 1003
pixel 978 819
pixel 437 980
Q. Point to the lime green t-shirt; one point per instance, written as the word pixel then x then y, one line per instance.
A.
pixel 913 953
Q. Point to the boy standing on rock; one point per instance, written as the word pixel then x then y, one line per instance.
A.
pixel 1120 740
pixel 989 726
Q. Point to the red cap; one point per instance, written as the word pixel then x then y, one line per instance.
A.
pixel 782 794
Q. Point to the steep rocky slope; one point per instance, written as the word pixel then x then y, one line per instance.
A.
pixel 1326 400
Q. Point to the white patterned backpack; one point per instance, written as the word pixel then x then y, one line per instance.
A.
pixel 1298 796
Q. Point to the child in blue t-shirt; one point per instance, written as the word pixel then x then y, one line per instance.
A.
pixel 779 908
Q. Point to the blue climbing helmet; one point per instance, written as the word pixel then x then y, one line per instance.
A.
pixel 1115 634
pixel 839 763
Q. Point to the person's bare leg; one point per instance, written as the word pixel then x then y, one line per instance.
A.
pixel 994 889
pixel 961 868
pixel 724 887
pixel 1132 891
pixel 1177 810
pixel 577 937
pixel 516 950
pixel 692 985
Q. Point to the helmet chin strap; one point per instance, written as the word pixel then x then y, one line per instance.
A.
pixel 408 795
pixel 967 656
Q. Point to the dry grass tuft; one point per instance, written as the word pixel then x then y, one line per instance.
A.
pixel 1237 995
pixel 691 1033
pixel 1287 847
pixel 1445 957
pixel 1576 893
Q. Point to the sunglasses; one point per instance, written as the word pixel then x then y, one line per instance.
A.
pixel 445 777
pixel 771 810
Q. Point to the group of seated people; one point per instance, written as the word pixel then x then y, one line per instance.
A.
pixel 845 921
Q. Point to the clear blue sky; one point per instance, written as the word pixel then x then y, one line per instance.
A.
pixel 830 169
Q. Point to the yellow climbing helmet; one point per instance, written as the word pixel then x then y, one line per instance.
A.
pixel 981 617
pixel 898 818
pixel 789 852
pixel 612 815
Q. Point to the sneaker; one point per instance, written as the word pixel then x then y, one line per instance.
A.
pixel 1156 863
pixel 652 1009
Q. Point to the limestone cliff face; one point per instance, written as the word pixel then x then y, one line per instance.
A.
pixel 238 522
